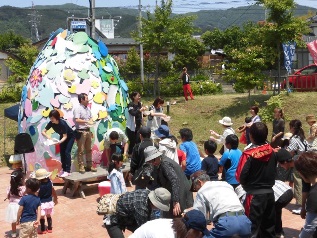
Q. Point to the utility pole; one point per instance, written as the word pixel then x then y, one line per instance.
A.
pixel 92 18
pixel 141 45
pixel 34 22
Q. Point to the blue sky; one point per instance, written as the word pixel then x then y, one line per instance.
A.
pixel 179 6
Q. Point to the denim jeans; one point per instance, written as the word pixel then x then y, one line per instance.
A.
pixel 310 225
pixel 66 149
pixel 229 226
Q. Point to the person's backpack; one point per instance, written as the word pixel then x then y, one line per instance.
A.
pixel 108 204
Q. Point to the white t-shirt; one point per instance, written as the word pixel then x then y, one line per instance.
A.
pixel 219 196
pixel 158 228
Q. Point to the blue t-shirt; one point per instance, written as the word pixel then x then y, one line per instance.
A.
pixel 229 161
pixel 45 193
pixel 30 205
pixel 193 162
pixel 211 166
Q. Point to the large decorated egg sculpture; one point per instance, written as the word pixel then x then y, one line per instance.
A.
pixel 70 64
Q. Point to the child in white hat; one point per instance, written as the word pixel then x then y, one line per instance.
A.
pixel 48 197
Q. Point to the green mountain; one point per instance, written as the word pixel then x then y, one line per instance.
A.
pixel 50 18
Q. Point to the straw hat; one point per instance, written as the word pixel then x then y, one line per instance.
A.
pixel 161 199
pixel 226 121
pixel 41 174
pixel 310 118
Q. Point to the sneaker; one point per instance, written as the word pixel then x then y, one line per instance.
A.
pixel 297 211
pixel 65 174
pixel 41 232
pixel 60 173
pixel 81 169
pixel 279 235
pixel 49 231
pixel 13 235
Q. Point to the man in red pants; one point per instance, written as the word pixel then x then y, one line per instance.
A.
pixel 186 86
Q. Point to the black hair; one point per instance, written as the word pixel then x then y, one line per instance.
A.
pixel 81 97
pixel 33 184
pixel 259 133
pixel 255 109
pixel 247 119
pixel 145 133
pixel 186 133
pixel 132 95
pixel 298 130
pixel 114 135
pixel 158 101
pixel 16 181
pixel 210 146
pixel 285 143
pixel 54 113
pixel 233 141
pixel 280 111
pixel 116 157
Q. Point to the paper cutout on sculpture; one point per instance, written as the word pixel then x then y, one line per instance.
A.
pixel 70 64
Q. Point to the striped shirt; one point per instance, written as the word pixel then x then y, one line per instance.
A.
pixel 297 145
pixel 279 189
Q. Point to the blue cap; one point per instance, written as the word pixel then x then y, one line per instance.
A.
pixel 162 131
pixel 195 219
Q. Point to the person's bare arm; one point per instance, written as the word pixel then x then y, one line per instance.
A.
pixel 55 199
pixel 19 215
pixel 38 217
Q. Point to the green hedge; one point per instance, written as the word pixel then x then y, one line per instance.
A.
pixel 10 93
pixel 175 89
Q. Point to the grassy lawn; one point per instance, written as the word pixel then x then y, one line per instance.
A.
pixel 200 115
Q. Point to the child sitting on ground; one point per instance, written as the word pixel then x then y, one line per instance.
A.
pixel 115 175
pixel 48 197
pixel 210 163
pixel 29 212
pixel 14 194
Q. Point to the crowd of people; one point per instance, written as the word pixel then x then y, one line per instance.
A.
pixel 242 193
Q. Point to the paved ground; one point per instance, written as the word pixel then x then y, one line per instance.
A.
pixel 77 217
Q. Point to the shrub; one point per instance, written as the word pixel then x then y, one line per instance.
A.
pixel 266 113
pixel 11 93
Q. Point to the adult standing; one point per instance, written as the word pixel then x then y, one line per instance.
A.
pixel 254 110
pixel 278 128
pixel 134 119
pixel 186 85
pixel 219 200
pixel 156 114
pixel 66 136
pixel 297 146
pixel 115 139
pixel 228 130
pixel 170 176
pixel 133 209
pixel 83 120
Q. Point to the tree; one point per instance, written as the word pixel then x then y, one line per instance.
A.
pixel 283 27
pixel 21 63
pixel 162 33
pixel 21 55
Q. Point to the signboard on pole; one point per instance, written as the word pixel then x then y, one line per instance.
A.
pixel 289 51
pixel 78 25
